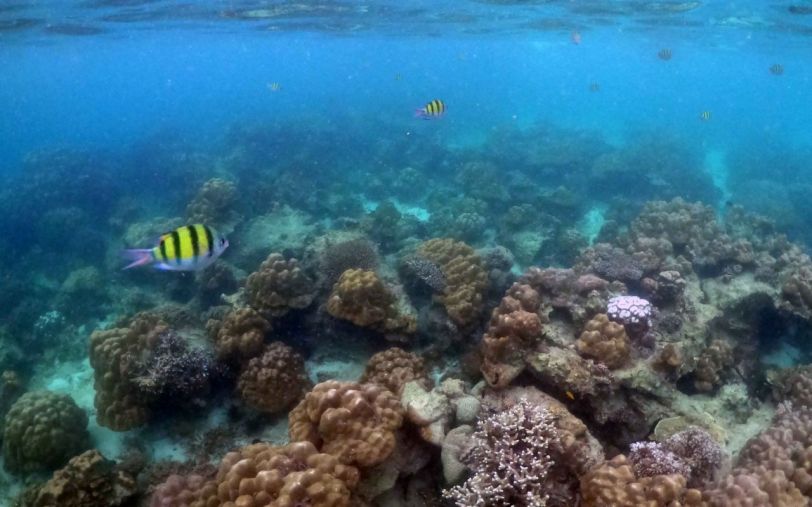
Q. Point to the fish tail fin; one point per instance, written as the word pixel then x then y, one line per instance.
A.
pixel 138 256
pixel 419 113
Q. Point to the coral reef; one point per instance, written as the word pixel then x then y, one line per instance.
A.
pixel 278 286
pixel 465 277
pixel 43 431
pixel 274 380
pixel 213 203
pixel 361 297
pixel 354 422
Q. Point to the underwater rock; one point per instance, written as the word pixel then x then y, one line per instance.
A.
pixel 435 411
pixel 274 380
pixel 43 431
pixel 284 229
pixel 354 422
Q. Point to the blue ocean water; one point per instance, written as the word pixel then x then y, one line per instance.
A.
pixel 563 119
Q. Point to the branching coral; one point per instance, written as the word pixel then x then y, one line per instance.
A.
pixel 279 286
pixel 425 271
pixel 212 203
pixel 510 457
pixel 355 253
pixel 361 297
pixel 43 431
pixel 240 335
pixel 114 354
pixel 354 422
pixel 393 368
pixel 604 341
pixel 465 276
pixel 515 328
pixel 274 380
pixel 88 480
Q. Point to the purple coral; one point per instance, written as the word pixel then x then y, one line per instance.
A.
pixel 510 457
pixel 631 311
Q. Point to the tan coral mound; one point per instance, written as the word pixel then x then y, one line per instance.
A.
pixel 263 475
pixel 213 202
pixel 119 406
pixel 361 297
pixel 393 368
pixel 604 341
pixel 465 276
pixel 279 286
pixel 354 422
pixel 515 328
pixel 273 381
pixel 240 335
pixel 615 484
pixel 43 431
pixel 88 480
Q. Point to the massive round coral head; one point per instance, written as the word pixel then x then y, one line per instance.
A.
pixel 354 422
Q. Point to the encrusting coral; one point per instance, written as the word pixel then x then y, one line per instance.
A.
pixel 393 368
pixel 354 422
pixel 604 341
pixel 274 380
pixel 43 431
pixel 465 278
pixel 360 297
pixel 278 286
pixel 263 475
pixel 240 335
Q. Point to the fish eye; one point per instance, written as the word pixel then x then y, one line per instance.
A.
pixel 222 241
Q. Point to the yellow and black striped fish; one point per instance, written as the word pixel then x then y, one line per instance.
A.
pixel 433 109
pixel 776 69
pixel 705 116
pixel 187 248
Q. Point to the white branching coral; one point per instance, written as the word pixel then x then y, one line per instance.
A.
pixel 510 457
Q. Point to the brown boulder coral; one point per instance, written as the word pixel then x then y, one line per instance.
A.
pixel 120 405
pixel 263 475
pixel 393 368
pixel 515 329
pixel 361 297
pixel 240 335
pixel 278 286
pixel 213 202
pixel 43 431
pixel 354 422
pixel 88 480
pixel 604 341
pixel 615 483
pixel 273 381
pixel 465 278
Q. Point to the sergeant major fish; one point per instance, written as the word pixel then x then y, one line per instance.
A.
pixel 187 248
pixel 433 109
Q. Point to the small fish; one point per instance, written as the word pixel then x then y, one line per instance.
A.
pixel 575 37
pixel 397 77
pixel 664 54
pixel 434 109
pixel 705 116
pixel 594 87
pixel 777 69
pixel 570 395
pixel 187 248
pixel 274 87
